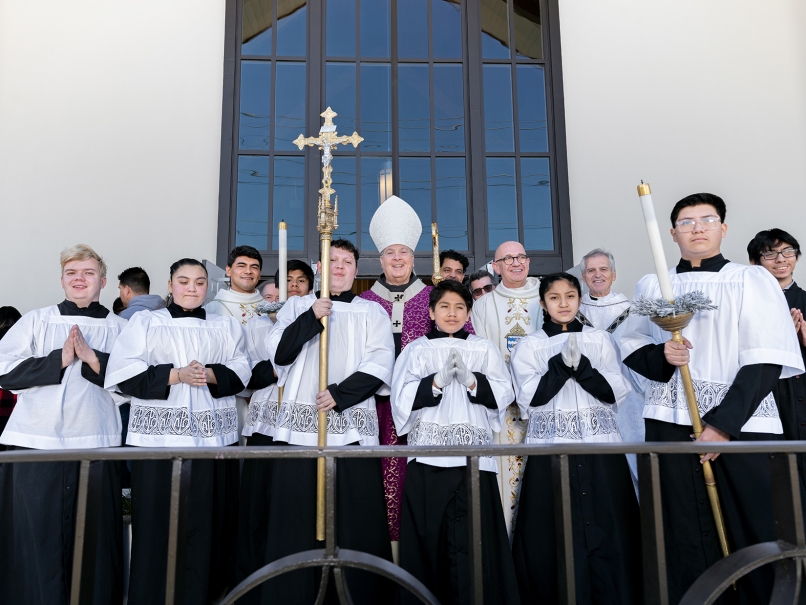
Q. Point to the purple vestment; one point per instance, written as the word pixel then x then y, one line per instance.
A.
pixel 416 323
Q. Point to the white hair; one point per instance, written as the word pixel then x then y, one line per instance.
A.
pixel 598 252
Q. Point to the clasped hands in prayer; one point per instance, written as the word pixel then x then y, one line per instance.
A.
pixel 454 368
pixel 76 346
pixel 800 325
pixel 677 354
pixel 193 374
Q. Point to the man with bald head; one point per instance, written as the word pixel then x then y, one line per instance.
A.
pixel 504 316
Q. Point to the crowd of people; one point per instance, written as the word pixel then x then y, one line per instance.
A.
pixel 555 359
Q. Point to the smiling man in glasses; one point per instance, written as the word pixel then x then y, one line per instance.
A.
pixel 505 316
pixel 737 353
pixel 778 252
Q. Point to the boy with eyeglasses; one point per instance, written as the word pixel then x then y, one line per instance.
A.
pixel 737 353
pixel 778 252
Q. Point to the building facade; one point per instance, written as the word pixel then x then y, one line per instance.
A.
pixel 154 130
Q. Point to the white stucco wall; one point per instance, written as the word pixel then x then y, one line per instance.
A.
pixel 110 130
pixel 690 96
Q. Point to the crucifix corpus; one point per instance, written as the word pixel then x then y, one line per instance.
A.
pixel 327 224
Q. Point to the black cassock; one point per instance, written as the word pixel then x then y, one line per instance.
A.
pixel 790 394
pixel 38 506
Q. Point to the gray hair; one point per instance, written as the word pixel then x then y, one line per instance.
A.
pixel 598 252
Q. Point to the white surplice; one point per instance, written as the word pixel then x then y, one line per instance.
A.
pixel 573 415
pixel 360 340
pixel 752 325
pixel 263 405
pixel 190 416
pixel 455 420
pixel 74 413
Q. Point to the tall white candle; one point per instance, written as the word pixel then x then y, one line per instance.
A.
pixel 282 259
pixel 655 241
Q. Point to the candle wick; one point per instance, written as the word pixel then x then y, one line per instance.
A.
pixel 642 181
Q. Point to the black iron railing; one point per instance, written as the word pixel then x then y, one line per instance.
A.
pixel 788 552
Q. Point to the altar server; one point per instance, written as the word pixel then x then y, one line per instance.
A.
pixel 55 359
pixel 736 354
pixel 256 474
pixel 182 367
pixel 568 383
pixel 452 388
pixel 360 361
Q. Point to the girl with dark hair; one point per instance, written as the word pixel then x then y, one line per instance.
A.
pixel 8 317
pixel 451 388
pixel 182 367
pixel 568 381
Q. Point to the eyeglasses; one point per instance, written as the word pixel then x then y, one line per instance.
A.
pixel 708 223
pixel 483 290
pixel 773 255
pixel 509 259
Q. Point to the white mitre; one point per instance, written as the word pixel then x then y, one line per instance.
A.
pixel 395 222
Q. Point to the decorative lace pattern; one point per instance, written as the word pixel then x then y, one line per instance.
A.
pixel 708 394
pixel 152 420
pixel 431 433
pixel 576 425
pixel 304 418
pixel 262 412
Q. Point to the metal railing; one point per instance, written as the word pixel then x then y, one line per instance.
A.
pixel 788 552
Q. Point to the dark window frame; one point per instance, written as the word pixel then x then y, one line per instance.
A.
pixel 542 262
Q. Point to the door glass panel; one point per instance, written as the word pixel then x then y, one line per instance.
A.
pixel 538 233
pixel 452 203
pixel 446 24
pixel 375 27
pixel 502 201
pixel 528 36
pixel 415 188
pixel 289 106
pixel 256 29
pixel 494 29
pixel 376 107
pixel 340 35
pixel 376 186
pixel 532 108
pixel 255 113
pixel 412 28
pixel 340 96
pixel 344 184
pixel 414 119
pixel 291 26
pixel 498 129
pixel 449 108
pixel 289 198
pixel 252 219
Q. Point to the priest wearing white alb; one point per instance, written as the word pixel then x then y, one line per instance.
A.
pixel 606 310
pixel 55 359
pixel 361 359
pixel 736 354
pixel 505 316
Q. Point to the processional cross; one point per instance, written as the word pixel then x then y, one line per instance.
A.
pixel 327 224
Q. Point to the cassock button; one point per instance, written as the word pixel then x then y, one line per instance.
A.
pixel 697 470
pixel 587 522
pixel 584 494
pixel 705 533
pixel 803 424
pixel 800 398
pixel 702 501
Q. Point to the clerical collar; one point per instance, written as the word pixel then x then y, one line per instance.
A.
pixel 397 288
pixel 437 333
pixel 96 310
pixel 178 312
pixel 553 329
pixel 792 283
pixel 345 297
pixel 712 265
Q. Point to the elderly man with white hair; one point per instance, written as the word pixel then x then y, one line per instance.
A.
pixel 607 310
pixel 505 316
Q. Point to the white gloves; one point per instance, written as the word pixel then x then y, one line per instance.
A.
pixel 446 374
pixel 571 355
pixel 454 368
pixel 463 375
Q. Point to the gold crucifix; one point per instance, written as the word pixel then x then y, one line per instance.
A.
pixel 328 223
